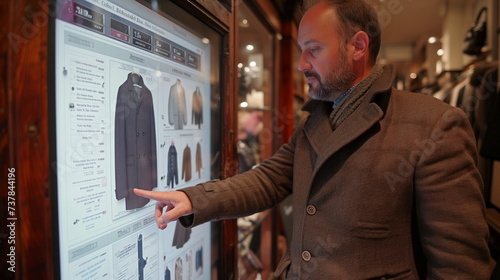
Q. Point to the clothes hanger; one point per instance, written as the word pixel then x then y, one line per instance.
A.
pixel 134 76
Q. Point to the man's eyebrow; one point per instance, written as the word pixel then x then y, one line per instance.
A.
pixel 309 42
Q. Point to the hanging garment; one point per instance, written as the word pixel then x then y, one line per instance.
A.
pixel 476 105
pixel 141 262
pixel 198 159
pixel 476 102
pixel 181 235
pixel 491 143
pixel 135 141
pixel 485 94
pixel 199 260
pixel 189 265
pixel 488 113
pixel 186 164
pixel 457 92
pixel 177 113
pixel 197 112
pixel 172 171
pixel 167 274
pixel 178 269
pixel 468 103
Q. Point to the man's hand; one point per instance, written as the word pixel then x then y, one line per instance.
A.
pixel 178 204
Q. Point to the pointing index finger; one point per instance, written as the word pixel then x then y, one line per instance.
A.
pixel 148 194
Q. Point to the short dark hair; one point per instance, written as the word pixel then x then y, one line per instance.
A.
pixel 358 15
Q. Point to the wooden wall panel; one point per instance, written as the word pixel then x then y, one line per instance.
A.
pixel 230 166
pixel 217 11
pixel 286 97
pixel 26 81
pixel 4 140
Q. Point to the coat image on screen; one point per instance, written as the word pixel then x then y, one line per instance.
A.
pixel 178 269
pixel 181 235
pixel 198 159
pixel 172 170
pixel 197 112
pixel 198 261
pixel 167 274
pixel 141 262
pixel 135 141
pixel 177 112
pixel 186 164
pixel 189 264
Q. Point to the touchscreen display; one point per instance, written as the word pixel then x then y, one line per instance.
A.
pixel 132 105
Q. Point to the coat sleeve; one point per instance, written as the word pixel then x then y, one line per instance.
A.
pixel 449 203
pixel 121 188
pixel 200 100
pixel 193 108
pixel 183 105
pixel 246 193
pixel 186 164
pixel 175 168
pixel 171 105
pixel 154 158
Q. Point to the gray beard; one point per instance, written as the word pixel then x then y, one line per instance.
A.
pixel 337 81
pixel 333 86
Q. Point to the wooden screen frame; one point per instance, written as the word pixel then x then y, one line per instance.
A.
pixel 26 127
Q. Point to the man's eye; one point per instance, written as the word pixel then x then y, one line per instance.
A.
pixel 314 50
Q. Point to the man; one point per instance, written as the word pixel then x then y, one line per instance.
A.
pixel 384 184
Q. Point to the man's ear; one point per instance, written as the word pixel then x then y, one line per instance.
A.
pixel 360 41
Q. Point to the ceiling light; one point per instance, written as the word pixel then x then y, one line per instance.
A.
pixel 413 76
pixel 440 52
pixel 244 23
pixel 432 40
pixel 249 47
pixel 154 4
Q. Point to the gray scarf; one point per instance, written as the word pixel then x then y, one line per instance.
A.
pixel 354 98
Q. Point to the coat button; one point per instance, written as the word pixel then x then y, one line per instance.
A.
pixel 306 256
pixel 137 134
pixel 311 209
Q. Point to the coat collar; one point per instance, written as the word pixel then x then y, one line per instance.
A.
pixel 318 129
pixel 384 83
pixel 130 85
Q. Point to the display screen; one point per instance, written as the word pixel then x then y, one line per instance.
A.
pixel 134 108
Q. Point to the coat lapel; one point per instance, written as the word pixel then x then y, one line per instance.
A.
pixel 354 126
pixel 318 131
pixel 318 126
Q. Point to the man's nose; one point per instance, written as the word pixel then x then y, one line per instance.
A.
pixel 303 64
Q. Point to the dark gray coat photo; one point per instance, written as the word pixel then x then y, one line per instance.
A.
pixel 135 141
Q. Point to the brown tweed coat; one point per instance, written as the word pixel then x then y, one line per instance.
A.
pixel 392 193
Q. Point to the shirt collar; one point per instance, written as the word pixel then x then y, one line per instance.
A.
pixel 340 98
